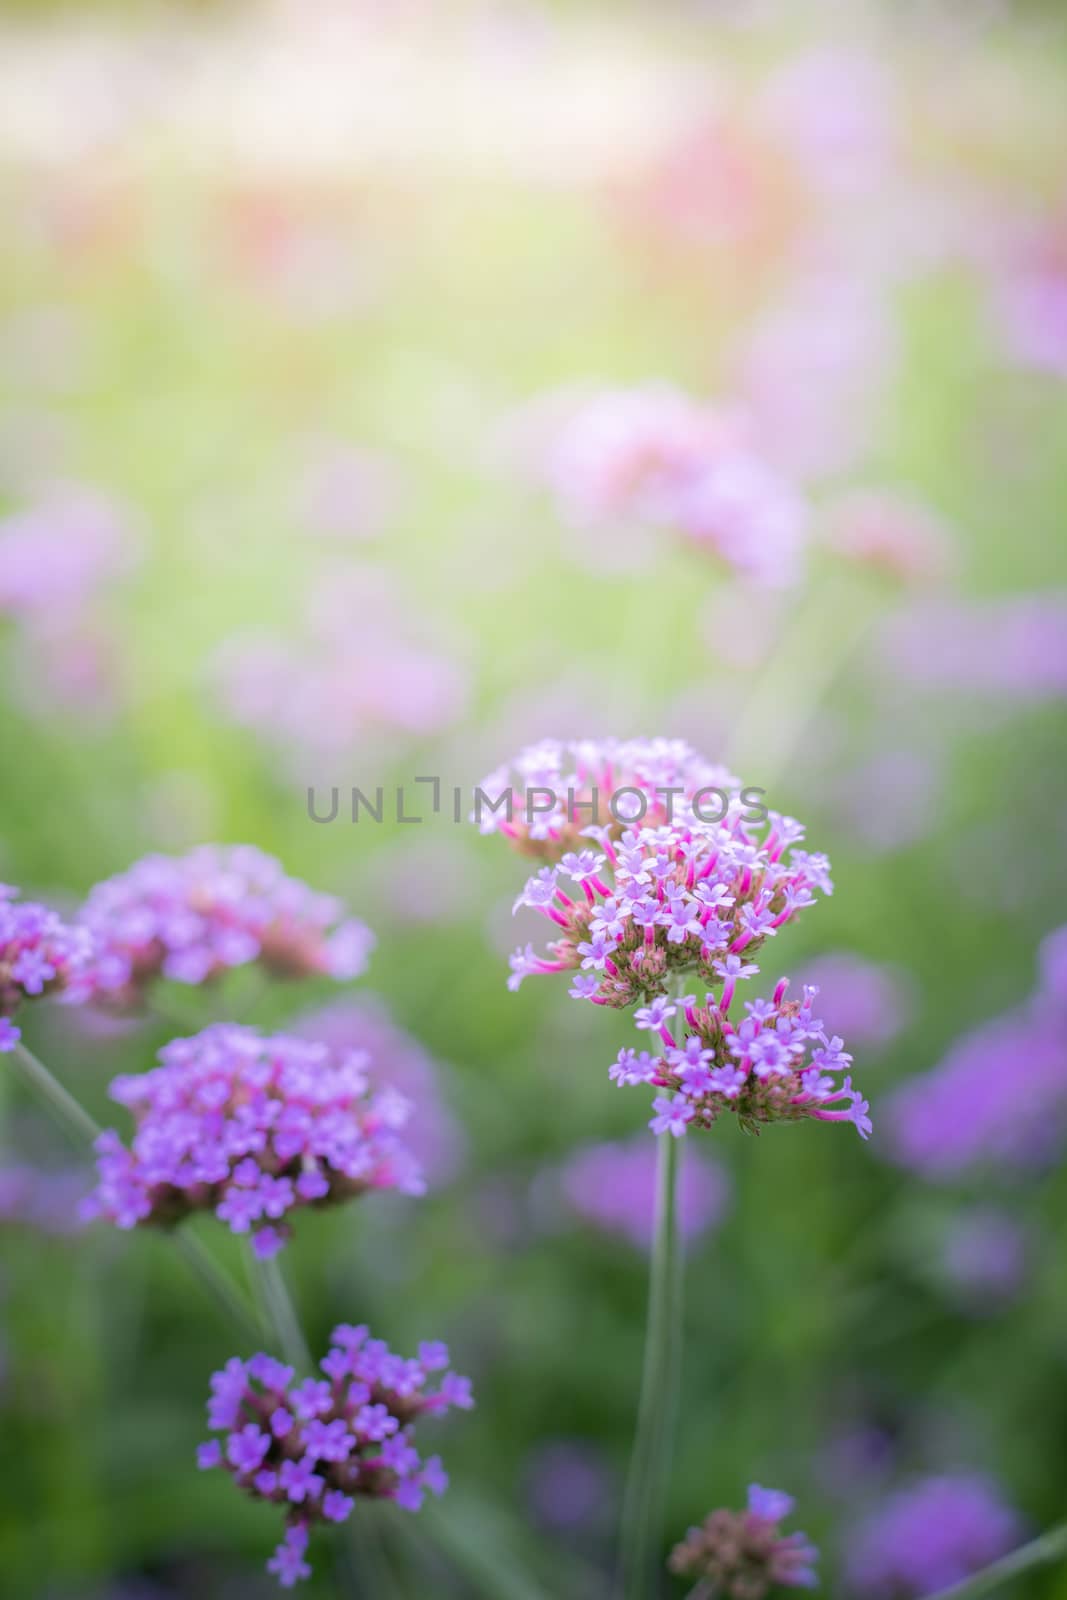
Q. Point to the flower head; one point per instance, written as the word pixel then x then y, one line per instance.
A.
pixel 252 1128
pixel 40 954
pixel 776 1065
pixel 192 917
pixel 347 1437
pixel 742 1555
pixel 556 795
pixel 663 899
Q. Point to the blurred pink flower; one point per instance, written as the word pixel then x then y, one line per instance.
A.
pixel 832 110
pixel 656 458
pixel 890 533
pixel 60 551
pixel 1030 295
pixel 360 667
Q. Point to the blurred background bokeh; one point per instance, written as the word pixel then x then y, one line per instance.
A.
pixel 296 301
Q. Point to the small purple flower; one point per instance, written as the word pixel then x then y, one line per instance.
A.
pixel 245 1450
pixel 672 1116
pixel 744 1555
pixel 299 1480
pixel 656 1014
pixel 288 1564
pixel 326 1447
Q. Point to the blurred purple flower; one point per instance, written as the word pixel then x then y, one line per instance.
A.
pixel 1014 646
pixel 35 1197
pixel 401 1063
pixel 868 1002
pixel 889 801
pixel 363 664
pixel 985 1257
pixel 928 1537
pixel 252 1128
pixel 56 554
pixel 192 917
pixel 1030 294
pixel 40 954
pixel 569 1486
pixel 612 1185
pixel 832 108
pixel 999 1095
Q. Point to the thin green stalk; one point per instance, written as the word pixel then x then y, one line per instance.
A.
pixel 1051 1546
pixel 775 717
pixel 363 1562
pixel 80 1128
pixel 218 1283
pixel 282 1315
pixel 75 1121
pixel 646 1488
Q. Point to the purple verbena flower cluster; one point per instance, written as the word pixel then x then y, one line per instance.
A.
pixel 559 787
pixel 192 917
pixel 40 954
pixel 742 1555
pixel 929 1537
pixel 775 1065
pixel 663 902
pixel 252 1128
pixel 314 1447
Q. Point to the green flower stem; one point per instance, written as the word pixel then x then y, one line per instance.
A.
pixel 646 1487
pixel 775 717
pixel 80 1128
pixel 1051 1546
pixel 73 1118
pixel 363 1568
pixel 281 1314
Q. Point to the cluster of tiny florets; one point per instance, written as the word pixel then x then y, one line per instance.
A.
pixel 40 954
pixel 775 1065
pixel 557 789
pixel 314 1447
pixel 252 1128
pixel 742 1555
pixel 664 902
pixel 191 918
